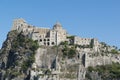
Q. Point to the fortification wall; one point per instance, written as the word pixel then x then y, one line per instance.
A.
pixel 100 60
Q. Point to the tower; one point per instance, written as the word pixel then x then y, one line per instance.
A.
pixel 60 33
pixel 18 24
pixel 57 26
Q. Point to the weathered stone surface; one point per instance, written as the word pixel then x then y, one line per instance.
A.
pixel 22 59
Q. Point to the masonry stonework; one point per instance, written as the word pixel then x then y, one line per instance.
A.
pixel 51 37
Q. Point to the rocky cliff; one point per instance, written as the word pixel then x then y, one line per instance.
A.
pixel 21 58
pixel 17 56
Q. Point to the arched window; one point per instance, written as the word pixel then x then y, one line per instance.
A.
pixel 48 39
pixel 48 43
pixel 40 40
pixel 44 39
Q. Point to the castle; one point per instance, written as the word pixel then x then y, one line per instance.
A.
pixel 52 37
pixel 48 65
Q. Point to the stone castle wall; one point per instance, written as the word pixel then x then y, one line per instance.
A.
pixel 50 37
pixel 97 60
pixel 100 60
pixel 44 36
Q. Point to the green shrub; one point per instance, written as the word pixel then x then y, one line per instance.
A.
pixel 28 63
pixel 64 43
pixel 71 37
pixel 111 71
pixel 69 52
pixel 34 45
pixel 114 51
pixel 15 73
pixel 90 69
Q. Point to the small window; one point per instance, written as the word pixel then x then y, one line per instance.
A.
pixel 48 43
pixel 53 43
pixel 28 26
pixel 21 24
pixel 44 39
pixel 40 40
pixel 48 39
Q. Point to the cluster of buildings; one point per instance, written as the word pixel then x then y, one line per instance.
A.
pixel 56 35
pixel 51 37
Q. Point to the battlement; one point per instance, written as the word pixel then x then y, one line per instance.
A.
pixel 17 23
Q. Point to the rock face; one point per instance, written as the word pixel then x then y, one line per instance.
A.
pixel 21 58
pixel 16 56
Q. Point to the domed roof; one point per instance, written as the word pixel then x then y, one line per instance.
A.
pixel 57 24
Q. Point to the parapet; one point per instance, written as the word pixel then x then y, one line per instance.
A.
pixel 17 23
pixel 19 20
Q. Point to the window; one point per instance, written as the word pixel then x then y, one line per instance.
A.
pixel 28 26
pixel 48 39
pixel 44 39
pixel 53 43
pixel 21 24
pixel 48 43
pixel 40 40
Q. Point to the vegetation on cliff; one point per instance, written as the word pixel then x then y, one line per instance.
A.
pixel 19 51
pixel 18 54
pixel 68 50
pixel 111 71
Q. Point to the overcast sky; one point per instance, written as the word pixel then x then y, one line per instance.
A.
pixel 85 18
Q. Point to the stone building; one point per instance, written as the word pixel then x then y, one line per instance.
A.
pixel 88 42
pixel 44 36
pixel 96 60
pixel 51 37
